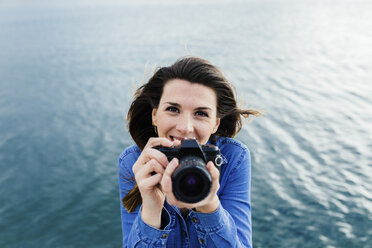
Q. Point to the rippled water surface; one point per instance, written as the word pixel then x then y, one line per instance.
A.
pixel 68 71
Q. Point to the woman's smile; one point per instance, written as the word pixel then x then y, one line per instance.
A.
pixel 186 110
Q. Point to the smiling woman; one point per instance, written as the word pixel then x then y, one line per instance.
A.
pixel 186 110
pixel 189 100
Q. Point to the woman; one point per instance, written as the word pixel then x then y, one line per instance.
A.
pixel 189 99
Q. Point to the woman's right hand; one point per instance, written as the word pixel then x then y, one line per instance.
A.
pixel 148 171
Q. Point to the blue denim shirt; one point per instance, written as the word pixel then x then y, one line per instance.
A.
pixel 229 226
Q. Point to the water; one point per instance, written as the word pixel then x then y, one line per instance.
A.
pixel 68 71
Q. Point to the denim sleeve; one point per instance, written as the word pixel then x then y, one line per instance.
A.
pixel 140 234
pixel 230 225
pixel 137 233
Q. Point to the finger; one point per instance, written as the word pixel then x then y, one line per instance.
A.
pixel 149 183
pixel 176 142
pixel 153 166
pixel 166 182
pixel 215 173
pixel 171 167
pixel 158 142
pixel 160 157
pixel 150 168
pixel 146 156
pixel 149 153
pixel 153 154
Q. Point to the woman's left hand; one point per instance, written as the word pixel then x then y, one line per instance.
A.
pixel 207 205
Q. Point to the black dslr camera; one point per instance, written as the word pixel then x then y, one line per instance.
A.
pixel 191 181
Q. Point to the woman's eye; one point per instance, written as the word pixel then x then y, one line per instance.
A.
pixel 201 113
pixel 172 109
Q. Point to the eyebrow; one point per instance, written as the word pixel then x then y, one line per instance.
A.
pixel 178 105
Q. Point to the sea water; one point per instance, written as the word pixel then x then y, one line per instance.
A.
pixel 68 71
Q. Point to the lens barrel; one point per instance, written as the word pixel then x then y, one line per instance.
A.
pixel 191 181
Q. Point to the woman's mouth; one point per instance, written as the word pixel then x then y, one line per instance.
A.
pixel 174 138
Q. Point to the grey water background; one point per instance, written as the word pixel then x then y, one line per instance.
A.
pixel 68 71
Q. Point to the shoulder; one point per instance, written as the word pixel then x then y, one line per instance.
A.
pixel 131 150
pixel 235 171
pixel 129 156
pixel 234 152
pixel 230 146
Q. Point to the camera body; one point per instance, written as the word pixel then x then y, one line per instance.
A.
pixel 191 181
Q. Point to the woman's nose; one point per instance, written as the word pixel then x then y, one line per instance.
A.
pixel 185 125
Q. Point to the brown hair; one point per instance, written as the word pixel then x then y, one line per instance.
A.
pixel 147 97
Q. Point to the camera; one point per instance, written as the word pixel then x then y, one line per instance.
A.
pixel 191 181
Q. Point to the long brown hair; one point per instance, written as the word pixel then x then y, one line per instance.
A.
pixel 147 97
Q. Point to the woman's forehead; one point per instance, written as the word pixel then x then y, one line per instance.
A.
pixel 182 90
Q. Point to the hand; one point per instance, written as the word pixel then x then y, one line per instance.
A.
pixel 207 205
pixel 148 171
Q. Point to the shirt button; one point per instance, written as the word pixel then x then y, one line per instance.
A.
pixel 185 234
pixel 164 236
pixel 194 220
pixel 201 241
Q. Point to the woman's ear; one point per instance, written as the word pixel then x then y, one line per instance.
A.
pixel 153 115
pixel 218 121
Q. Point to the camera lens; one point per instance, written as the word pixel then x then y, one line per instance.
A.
pixel 191 180
pixel 191 184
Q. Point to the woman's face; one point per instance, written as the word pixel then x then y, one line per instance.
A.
pixel 186 110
